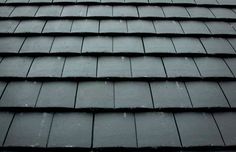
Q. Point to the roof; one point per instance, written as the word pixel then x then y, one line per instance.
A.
pixel 118 75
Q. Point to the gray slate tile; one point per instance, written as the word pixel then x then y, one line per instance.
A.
pixel 58 26
pixel 37 45
pixel 160 1
pixel 132 95
pixel 30 26
pixel 170 94
pixel 85 26
pixel 158 45
pixel 140 26
pixel 37 126
pixel 184 1
pixel 206 2
pixel 2 87
pixel 227 2
pixel 223 13
pixel 95 94
pixel 16 1
pixel 113 26
pixel 188 45
pixel 199 27
pixel 39 1
pixel 99 10
pixel 21 11
pixel 49 10
pixel 198 129
pixel 114 130
pixel 127 45
pixel 220 28
pixel 232 41
pixel 11 44
pixel 156 130
pixel 71 130
pixel 5 120
pixel 167 27
pixel 231 62
pixel 74 10
pixel 135 1
pixel 229 91
pixel 8 26
pixel 175 11
pixel 5 11
pixel 203 12
pixel 206 94
pixel 97 44
pixel 150 11
pixel 125 11
pixel 20 94
pixel 57 94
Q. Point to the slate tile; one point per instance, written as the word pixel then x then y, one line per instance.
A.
pixel 114 130
pixel 135 1
pixel 220 28
pixel 58 26
pixel 80 67
pixel 113 26
pixel 170 94
pixel 50 10
pixel 95 94
pixel 212 67
pixel 8 26
pixel 15 66
pixel 140 26
pixel 206 94
pixel 198 129
pixel 113 1
pixel 113 67
pixel 5 120
pixel 99 10
pixel 94 1
pixel 46 67
pixel 147 67
pixel 150 11
pixel 37 45
pixel 85 26
pixel 229 90
pixel 175 11
pixel 71 130
pixel 37 126
pixel 232 42
pixel 231 62
pixel 188 45
pixel 217 46
pixel 128 44
pixel 5 11
pixel 21 11
pixel 223 13
pixel 125 11
pixel 199 27
pixel 97 44
pixel 156 130
pixel 197 12
pixel 227 124
pixel 11 44
pixel 2 87
pixel 30 26
pixel 132 95
pixel 207 2
pixel 227 2
pixel 158 45
pixel 167 27
pixel 69 1
pixel 40 1
pixel 16 1
pixel 74 10
pixel 57 94
pixel 184 1
pixel 180 67
pixel 20 94
pixel 233 25
pixel 160 1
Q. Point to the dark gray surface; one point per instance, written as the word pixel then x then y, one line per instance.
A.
pixel 5 119
pixel 85 26
pixel 158 45
pixel 24 11
pixel 8 26
pixel 167 27
pixel 220 28
pixel 2 87
pixel 200 12
pixel 97 44
pixel 74 10
pixel 27 26
pixel 49 11
pixel 229 89
pixel 231 62
pixel 5 11
pixel 140 26
pixel 194 27
pixel 113 26
pixel 175 11
pixel 150 11
pixel 188 45
pixel 223 13
pixel 57 26
pixel 126 11
pixel 102 10
pixel 127 44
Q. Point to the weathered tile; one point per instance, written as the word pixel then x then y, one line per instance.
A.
pixel 114 130
pixel 95 94
pixel 212 67
pixel 37 45
pixel 20 94
pixel 113 26
pixel 229 90
pixel 160 1
pixel 39 1
pixel 5 11
pixel 170 94
pixel 29 130
pixel 113 67
pixel 198 129
pixel 206 94
pixel 2 87
pixel 158 45
pixel 227 124
pixel 15 66
pixel 85 26
pixel 49 10
pixel 132 95
pixel 97 44
pixel 147 67
pixel 74 10
pixel 156 130
pixel 21 11
pixel 57 94
pixel 220 28
pixel 231 62
pixel 30 26
pixel 11 44
pixel 184 1
pixel 232 42
pixel 140 26
pixel 99 10
pixel 217 46
pixel 16 1
pixel 113 1
pixel 180 67
pixel 125 11
pixel 128 45
pixel 58 26
pixel 8 26
pixel 80 67
pixel 135 1
pixel 206 1
pixel 167 27
pixel 175 11
pixel 227 2
pixel 71 130
pixel 188 45
pixel 223 12
pixel 199 27
pixel 46 67
pixel 5 120
pixel 150 11
pixel 203 12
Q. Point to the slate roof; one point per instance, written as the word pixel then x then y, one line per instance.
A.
pixel 118 75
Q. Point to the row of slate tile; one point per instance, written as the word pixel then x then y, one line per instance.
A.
pixel 197 2
pixel 116 11
pixel 121 94
pixel 127 44
pixel 118 67
pixel 86 130
pixel 117 26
